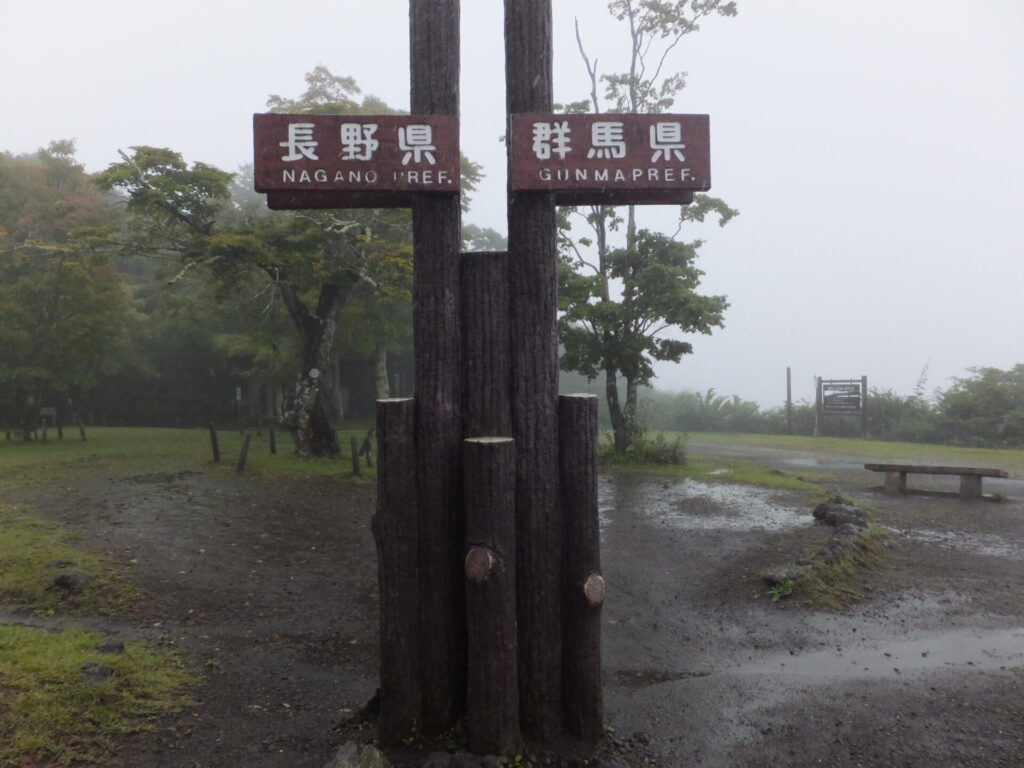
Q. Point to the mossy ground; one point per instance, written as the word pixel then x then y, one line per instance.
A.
pixel 49 711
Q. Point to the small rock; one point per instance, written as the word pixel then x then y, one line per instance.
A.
pixel 438 760
pixel 96 674
pixel 464 760
pixel 352 755
pixel 491 761
pixel 58 564
pixel 611 762
pixel 110 645
pixel 71 581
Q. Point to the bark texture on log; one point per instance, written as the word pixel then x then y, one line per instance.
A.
pixel 214 443
pixel 243 455
pixel 492 711
pixel 437 339
pixel 584 588
pixel 533 282
pixel 486 344
pixel 395 530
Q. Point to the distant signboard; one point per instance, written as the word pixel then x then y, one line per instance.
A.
pixel 48 412
pixel 617 159
pixel 354 161
pixel 841 396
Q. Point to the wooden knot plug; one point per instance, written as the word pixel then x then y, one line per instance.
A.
pixel 480 562
pixel 593 590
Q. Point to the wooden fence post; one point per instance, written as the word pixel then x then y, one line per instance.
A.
pixel 492 691
pixel 213 443
pixel 81 430
pixel 366 449
pixel 273 439
pixel 244 453
pixel 354 448
pixel 584 586
pixel 396 532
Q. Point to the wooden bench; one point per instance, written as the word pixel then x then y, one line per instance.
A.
pixel 970 477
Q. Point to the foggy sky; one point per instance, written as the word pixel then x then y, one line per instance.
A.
pixel 873 150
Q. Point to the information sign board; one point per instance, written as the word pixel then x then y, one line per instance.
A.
pixel 611 159
pixel 354 161
pixel 841 396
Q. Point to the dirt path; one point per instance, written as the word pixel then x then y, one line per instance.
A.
pixel 272 590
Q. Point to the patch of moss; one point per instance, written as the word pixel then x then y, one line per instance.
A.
pixel 50 711
pixel 33 552
pixel 832 584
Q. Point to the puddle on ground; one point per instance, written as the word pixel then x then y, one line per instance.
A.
pixel 685 505
pixel 973 543
pixel 967 648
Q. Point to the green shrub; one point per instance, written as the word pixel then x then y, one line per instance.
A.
pixel 645 449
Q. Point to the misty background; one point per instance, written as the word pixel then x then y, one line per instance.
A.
pixel 872 149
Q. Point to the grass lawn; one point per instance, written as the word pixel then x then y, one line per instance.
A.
pixel 141 449
pixel 874 450
pixel 49 710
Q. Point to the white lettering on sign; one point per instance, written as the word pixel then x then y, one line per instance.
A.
pixel 667 140
pixel 357 142
pixel 417 141
pixel 606 140
pixel 670 174
pixel 300 142
pixel 425 177
pixel 551 139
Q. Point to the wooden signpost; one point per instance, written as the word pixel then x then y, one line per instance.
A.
pixel 486 522
pixel 842 397
pixel 611 159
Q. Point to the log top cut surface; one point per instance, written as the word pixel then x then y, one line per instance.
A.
pixel 488 440
pixel 580 394
pixel 933 470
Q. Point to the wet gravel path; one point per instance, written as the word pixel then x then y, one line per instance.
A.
pixel 271 590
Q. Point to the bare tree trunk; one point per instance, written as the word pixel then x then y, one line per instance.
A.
pixel 629 412
pixel 620 433
pixel 380 375
pixel 307 418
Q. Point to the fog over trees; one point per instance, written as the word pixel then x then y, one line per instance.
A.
pixel 160 290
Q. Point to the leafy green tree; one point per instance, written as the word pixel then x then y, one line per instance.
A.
pixel 985 408
pixel 622 335
pixel 63 305
pixel 314 260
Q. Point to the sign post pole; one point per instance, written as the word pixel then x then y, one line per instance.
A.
pixel 437 341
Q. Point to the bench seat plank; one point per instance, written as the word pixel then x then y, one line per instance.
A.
pixel 925 469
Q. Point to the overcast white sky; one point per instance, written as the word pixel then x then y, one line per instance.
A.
pixel 874 150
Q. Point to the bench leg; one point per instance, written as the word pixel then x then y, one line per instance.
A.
pixel 970 486
pixel 895 482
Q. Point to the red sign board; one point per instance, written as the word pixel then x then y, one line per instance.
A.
pixel 354 161
pixel 616 159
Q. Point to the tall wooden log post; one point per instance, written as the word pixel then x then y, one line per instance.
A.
pixel 395 529
pixel 492 711
pixel 485 357
pixel 584 586
pixel 533 294
pixel 437 338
